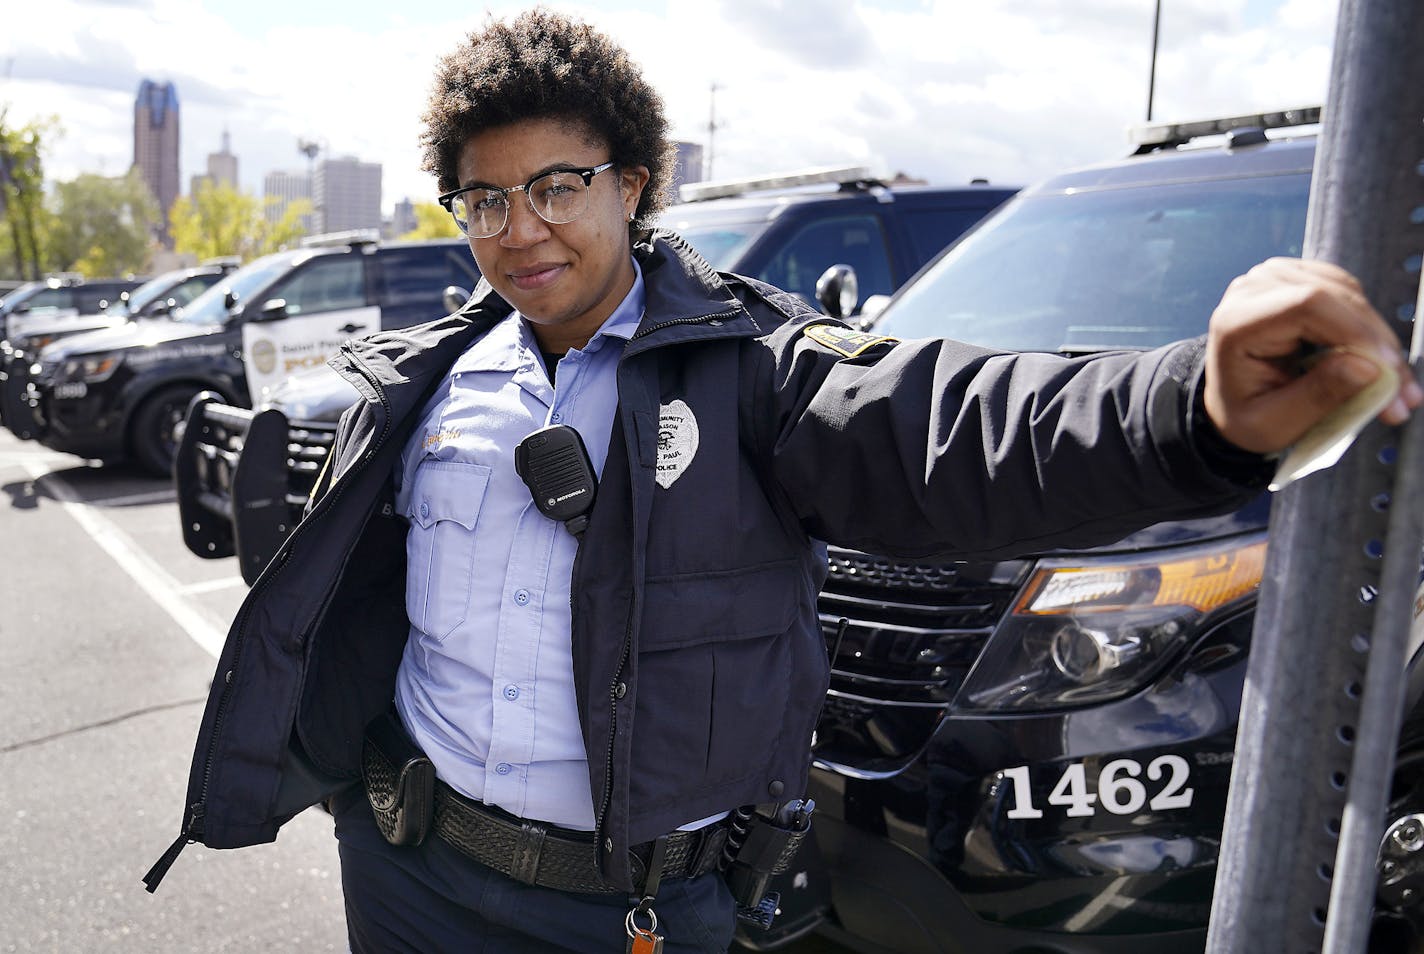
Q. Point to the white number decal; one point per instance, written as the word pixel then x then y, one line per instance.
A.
pixel 1175 794
pixel 1072 790
pixel 1023 797
pixel 1121 796
pixel 1119 789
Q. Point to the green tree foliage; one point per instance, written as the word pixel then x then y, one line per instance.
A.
pixel 221 220
pixel 432 222
pixel 103 225
pixel 24 220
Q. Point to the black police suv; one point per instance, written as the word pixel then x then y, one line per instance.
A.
pixel 243 478
pixel 68 294
pixel 29 331
pixel 121 392
pixel 1033 755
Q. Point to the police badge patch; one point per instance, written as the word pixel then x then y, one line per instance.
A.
pixel 844 341
pixel 677 442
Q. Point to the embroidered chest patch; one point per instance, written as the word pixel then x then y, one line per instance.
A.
pixel 677 441
pixel 845 342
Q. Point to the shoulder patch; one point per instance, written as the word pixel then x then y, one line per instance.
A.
pixel 844 341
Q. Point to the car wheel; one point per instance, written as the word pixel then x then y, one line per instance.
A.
pixel 153 438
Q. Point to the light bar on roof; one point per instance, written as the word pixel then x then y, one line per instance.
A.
pixel 349 237
pixel 697 191
pixel 1158 133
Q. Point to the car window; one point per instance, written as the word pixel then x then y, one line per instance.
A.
pixel 187 290
pixel 419 275
pixel 50 298
pixel 327 283
pixel 931 230
pixel 854 240
pixel 1115 268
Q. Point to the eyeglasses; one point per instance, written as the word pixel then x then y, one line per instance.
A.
pixel 556 197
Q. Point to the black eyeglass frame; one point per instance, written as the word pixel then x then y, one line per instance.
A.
pixel 448 199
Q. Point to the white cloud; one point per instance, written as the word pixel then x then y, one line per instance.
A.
pixel 946 89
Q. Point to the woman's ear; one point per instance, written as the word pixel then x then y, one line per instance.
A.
pixel 633 180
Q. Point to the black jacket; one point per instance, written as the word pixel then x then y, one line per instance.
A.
pixel 698 656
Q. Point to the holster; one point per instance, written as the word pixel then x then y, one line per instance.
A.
pixel 399 782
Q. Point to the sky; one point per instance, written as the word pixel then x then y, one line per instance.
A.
pixel 944 90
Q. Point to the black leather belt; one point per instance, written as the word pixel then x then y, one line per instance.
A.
pixel 530 852
pixel 560 858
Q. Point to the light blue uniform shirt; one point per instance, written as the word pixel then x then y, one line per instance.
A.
pixel 486 682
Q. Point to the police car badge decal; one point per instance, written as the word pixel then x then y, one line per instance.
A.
pixel 677 441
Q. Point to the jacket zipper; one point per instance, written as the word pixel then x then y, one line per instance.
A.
pixel 600 837
pixel 193 824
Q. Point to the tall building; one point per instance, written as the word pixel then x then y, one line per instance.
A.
pixel 687 166
pixel 403 219
pixel 222 168
pixel 347 194
pixel 280 189
pixel 156 144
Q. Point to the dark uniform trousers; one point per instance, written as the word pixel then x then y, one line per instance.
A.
pixel 432 898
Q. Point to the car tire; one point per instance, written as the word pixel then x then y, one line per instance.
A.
pixel 153 440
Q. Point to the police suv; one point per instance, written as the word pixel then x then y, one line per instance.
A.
pixel 31 330
pixel 243 478
pixel 121 392
pixel 66 294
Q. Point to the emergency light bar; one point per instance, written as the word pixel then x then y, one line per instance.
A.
pixel 349 237
pixel 1162 134
pixel 840 175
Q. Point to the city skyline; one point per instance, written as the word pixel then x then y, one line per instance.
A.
pixel 1009 89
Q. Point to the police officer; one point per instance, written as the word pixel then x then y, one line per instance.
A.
pixel 534 740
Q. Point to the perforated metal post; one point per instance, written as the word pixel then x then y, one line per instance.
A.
pixel 1312 736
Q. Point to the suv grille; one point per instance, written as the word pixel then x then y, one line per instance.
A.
pixel 913 629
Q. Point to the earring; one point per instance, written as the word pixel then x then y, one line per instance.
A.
pixel 630 216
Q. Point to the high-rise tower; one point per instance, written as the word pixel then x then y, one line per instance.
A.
pixel 156 144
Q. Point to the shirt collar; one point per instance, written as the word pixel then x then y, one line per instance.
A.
pixel 505 346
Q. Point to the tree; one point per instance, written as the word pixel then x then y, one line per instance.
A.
pixel 103 225
pixel 218 219
pixel 432 222
pixel 25 225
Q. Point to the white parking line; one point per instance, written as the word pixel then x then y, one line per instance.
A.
pixel 141 568
pixel 212 586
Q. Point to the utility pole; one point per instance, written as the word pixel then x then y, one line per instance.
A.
pixel 1325 691
pixel 1152 71
pixel 711 130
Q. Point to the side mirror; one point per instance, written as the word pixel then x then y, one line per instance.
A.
pixel 454 298
pixel 870 312
pixel 837 291
pixel 229 299
pixel 273 309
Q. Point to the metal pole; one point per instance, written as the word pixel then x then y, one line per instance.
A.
pixel 1325 585
pixel 1152 72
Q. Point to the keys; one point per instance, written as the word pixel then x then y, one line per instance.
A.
pixel 643 940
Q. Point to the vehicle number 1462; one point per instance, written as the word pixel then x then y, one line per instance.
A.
pixel 1120 789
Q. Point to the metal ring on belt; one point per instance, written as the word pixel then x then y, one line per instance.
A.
pixel 559 858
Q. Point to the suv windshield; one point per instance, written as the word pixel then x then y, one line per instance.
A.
pixel 1088 270
pixel 139 297
pixel 718 237
pixel 208 308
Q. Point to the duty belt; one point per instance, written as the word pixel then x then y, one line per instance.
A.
pixel 535 853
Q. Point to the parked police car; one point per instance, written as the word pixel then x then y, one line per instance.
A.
pixel 29 331
pixel 67 294
pixel 121 392
pixel 243 478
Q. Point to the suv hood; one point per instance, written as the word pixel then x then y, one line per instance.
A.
pixel 144 333
pixel 1252 517
pixel 316 394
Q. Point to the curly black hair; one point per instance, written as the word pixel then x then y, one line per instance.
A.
pixel 545 65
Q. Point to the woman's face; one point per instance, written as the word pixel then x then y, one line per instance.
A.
pixel 564 279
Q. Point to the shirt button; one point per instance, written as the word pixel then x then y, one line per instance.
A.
pixel 504 768
pixel 556 417
pixel 425 510
pixel 521 597
pixel 511 693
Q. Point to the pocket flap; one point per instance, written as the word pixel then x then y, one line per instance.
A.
pixel 447 490
pixel 720 605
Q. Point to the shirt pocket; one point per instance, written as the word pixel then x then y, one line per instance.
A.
pixel 443 508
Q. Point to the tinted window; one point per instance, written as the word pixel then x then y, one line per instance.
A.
pixel 192 288
pixel 90 299
pixel 50 298
pixel 854 240
pixel 932 229
pixel 327 283
pixel 418 276
pixel 1119 268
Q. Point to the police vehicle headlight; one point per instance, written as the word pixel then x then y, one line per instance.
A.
pixel 90 368
pixel 1088 630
